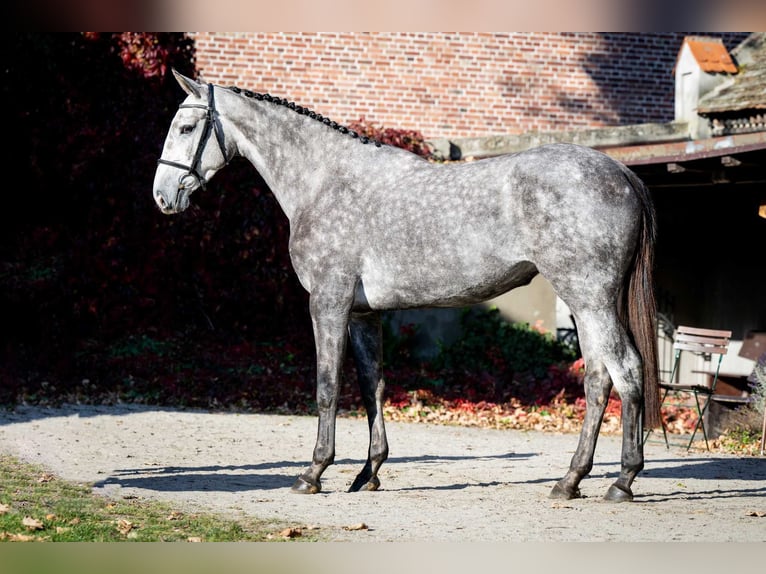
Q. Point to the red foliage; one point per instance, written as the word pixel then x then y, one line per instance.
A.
pixel 411 140
pixel 143 53
pixel 86 256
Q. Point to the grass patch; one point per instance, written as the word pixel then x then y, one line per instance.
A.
pixel 36 506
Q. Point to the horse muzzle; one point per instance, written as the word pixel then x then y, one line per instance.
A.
pixel 173 201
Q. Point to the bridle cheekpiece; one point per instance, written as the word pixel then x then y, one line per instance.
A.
pixel 211 124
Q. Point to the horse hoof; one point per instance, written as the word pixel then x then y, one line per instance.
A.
pixel 362 484
pixel 618 493
pixel 561 493
pixel 304 486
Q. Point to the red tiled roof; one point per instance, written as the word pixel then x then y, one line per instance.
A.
pixel 711 54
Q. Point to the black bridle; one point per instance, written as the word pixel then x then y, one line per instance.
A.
pixel 211 124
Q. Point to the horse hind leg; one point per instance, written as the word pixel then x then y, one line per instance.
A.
pixel 598 385
pixel 610 359
pixel 366 344
pixel 628 380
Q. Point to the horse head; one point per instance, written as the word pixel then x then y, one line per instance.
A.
pixel 188 161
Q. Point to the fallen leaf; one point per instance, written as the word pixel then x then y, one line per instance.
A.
pixel 194 539
pixel 360 526
pixel 4 509
pixel 50 517
pixel 45 477
pixel 17 537
pixel 175 515
pixel 74 521
pixel 32 523
pixel 291 533
pixel 758 513
pixel 124 526
pixel 63 529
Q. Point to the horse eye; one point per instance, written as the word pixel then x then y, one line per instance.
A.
pixel 187 129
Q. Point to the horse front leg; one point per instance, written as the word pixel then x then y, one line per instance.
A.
pixel 366 343
pixel 329 316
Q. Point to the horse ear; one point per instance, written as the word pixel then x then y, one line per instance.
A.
pixel 189 86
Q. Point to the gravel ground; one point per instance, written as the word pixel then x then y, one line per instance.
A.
pixel 441 483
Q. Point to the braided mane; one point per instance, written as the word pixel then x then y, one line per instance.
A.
pixel 305 112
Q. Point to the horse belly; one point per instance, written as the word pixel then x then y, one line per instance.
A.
pixel 384 287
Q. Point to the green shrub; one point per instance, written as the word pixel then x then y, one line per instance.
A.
pixel 512 355
pixel 490 343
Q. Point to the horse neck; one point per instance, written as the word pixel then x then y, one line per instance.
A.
pixel 289 150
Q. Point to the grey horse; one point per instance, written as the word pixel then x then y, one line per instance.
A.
pixel 375 228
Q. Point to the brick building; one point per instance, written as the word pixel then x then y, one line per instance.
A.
pixel 453 85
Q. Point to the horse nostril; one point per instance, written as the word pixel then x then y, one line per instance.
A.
pixel 161 202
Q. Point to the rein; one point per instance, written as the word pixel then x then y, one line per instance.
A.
pixel 211 124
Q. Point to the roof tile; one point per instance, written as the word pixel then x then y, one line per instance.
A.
pixel 711 54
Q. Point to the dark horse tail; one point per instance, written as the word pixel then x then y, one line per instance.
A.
pixel 639 301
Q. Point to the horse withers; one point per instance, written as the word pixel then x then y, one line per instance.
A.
pixel 375 228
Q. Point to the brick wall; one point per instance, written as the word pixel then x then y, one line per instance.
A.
pixel 457 84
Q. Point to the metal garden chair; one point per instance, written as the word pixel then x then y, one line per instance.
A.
pixel 704 342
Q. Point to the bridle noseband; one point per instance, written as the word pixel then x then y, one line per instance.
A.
pixel 211 123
